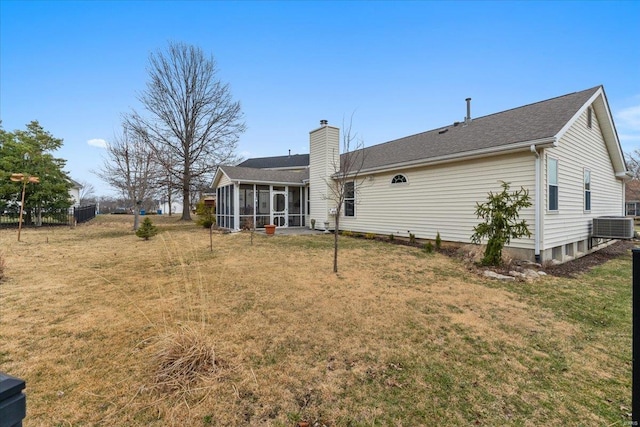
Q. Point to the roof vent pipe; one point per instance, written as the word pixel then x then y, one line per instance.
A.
pixel 324 122
pixel 468 118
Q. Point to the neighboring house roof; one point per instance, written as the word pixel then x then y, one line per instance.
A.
pixel 236 173
pixel 279 162
pixel 533 122
pixel 75 184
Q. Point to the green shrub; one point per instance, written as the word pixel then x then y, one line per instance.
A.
pixel 391 237
pixel 412 238
pixel 438 241
pixel 369 236
pixel 347 233
pixel 501 223
pixel 147 229
pixel 206 214
pixel 428 247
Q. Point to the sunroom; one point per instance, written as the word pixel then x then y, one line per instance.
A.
pixel 247 198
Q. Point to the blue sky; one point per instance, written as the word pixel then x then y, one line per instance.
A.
pixel 400 68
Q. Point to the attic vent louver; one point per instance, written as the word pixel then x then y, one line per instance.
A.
pixel 440 132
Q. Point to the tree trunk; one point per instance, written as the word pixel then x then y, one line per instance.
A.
pixel 335 244
pixel 186 197
pixel 136 218
pixel 186 204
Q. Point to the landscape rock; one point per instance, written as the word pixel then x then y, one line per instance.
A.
pixel 494 275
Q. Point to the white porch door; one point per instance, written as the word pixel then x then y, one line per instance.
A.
pixel 279 211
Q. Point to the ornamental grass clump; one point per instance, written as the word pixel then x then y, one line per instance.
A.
pixel 147 229
pixel 182 358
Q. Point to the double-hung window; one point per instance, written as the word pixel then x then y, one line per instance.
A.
pixel 587 190
pixel 349 199
pixel 552 182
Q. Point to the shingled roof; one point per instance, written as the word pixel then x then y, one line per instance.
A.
pixel 278 162
pixel 531 122
pixel 265 175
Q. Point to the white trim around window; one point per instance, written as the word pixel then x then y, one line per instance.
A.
pixel 587 190
pixel 399 179
pixel 350 198
pixel 553 188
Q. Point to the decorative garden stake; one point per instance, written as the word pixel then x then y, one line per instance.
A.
pixel 24 178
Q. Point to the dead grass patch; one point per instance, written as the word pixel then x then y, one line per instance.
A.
pixel 110 330
pixel 181 358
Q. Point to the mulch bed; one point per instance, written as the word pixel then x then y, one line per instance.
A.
pixel 587 262
pixel 567 269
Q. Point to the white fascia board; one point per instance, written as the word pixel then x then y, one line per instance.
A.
pixel 216 177
pixel 253 181
pixel 577 115
pixel 467 155
pixel 607 126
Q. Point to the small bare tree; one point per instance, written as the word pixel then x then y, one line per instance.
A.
pixel 130 168
pixel 87 193
pixel 344 185
pixel 193 119
pixel 633 163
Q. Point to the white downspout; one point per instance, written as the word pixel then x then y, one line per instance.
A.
pixel 537 205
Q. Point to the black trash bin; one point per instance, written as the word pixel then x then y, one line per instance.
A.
pixel 13 402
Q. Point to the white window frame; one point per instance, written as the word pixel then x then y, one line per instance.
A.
pixel 350 199
pixel 556 184
pixel 588 201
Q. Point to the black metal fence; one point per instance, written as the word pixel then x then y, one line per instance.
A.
pixel 47 217
pixel 84 213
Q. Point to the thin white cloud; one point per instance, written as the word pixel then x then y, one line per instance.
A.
pixel 97 142
pixel 628 125
pixel 629 118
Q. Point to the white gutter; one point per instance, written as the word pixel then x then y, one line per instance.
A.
pixel 537 203
pixel 624 176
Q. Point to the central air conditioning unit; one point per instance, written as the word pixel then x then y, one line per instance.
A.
pixel 613 227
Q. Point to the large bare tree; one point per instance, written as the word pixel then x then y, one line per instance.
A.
pixel 345 183
pixel 131 168
pixel 192 118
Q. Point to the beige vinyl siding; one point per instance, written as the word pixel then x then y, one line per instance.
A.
pixel 439 198
pixel 324 149
pixel 224 180
pixel 578 149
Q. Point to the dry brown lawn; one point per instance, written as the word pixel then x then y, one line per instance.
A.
pixel 108 329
